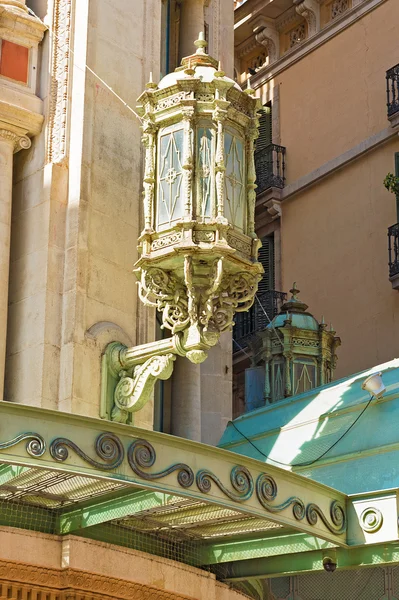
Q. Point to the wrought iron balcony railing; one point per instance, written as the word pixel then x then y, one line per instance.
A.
pixel 393 90
pixel 393 246
pixel 270 167
pixel 266 306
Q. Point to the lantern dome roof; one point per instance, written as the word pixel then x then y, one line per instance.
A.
pixel 293 312
pixel 200 66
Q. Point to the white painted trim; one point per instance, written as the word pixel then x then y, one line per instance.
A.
pixel 321 37
pixel 337 163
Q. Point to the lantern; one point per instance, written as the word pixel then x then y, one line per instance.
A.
pixel 198 250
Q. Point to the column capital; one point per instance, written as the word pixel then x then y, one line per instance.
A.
pixel 18 141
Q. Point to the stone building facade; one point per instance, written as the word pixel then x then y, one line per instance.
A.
pixel 76 200
pixel 320 69
pixel 71 173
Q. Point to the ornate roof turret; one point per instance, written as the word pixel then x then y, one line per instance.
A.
pixel 298 352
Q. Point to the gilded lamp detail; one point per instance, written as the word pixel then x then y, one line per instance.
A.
pixel 198 249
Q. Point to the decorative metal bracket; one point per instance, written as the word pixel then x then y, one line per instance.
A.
pixel 132 393
pixel 129 374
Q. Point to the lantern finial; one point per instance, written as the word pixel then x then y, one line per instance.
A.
pixel 151 85
pixel 201 43
pixel 220 72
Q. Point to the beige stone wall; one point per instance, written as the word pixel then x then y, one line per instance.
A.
pixel 77 206
pixel 51 564
pixel 335 97
pixel 333 234
pixel 334 244
pixel 76 222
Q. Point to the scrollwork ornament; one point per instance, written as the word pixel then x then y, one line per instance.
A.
pixel 337 514
pixel 107 446
pixel 35 446
pixel 24 142
pixel 266 492
pixel 161 289
pixel 240 478
pixel 141 455
pixel 371 519
pixel 19 142
pixel 123 391
pixel 242 482
pixel 132 393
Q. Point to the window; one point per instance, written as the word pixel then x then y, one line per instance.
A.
pixel 266 258
pixel 14 60
pixel 265 127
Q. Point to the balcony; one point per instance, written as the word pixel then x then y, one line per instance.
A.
pixel 270 167
pixel 270 179
pixel 392 78
pixel 393 244
pixel 266 306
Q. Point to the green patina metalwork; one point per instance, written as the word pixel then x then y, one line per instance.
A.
pixel 198 250
pixel 353 558
pixel 121 488
pixel 298 430
pixel 120 505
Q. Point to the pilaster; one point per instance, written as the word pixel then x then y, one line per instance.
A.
pixel 20 117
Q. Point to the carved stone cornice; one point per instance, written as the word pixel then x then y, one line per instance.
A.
pixel 19 142
pixel 17 24
pixel 247 47
pixel 20 120
pixel 71 583
pixel 286 19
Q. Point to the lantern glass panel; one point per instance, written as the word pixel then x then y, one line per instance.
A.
pixel 304 375
pixel 205 172
pixel 278 379
pixel 234 180
pixel 170 204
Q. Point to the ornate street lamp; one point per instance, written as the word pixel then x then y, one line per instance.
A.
pixel 198 249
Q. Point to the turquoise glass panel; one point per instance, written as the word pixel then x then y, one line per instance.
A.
pixel 234 209
pixel 170 204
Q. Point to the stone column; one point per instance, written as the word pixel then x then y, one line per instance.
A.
pixel 10 142
pixel 186 400
pixel 191 23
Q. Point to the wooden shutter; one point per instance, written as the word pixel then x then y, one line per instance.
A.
pixel 266 258
pixel 265 127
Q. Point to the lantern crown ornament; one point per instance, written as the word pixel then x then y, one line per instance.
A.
pixel 198 249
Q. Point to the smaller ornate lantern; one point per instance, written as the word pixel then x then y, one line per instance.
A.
pixel 297 351
pixel 198 262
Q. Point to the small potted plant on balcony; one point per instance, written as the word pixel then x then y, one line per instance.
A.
pixel 391 183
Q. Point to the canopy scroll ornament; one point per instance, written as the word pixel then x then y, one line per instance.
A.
pixel 198 250
pixel 141 458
